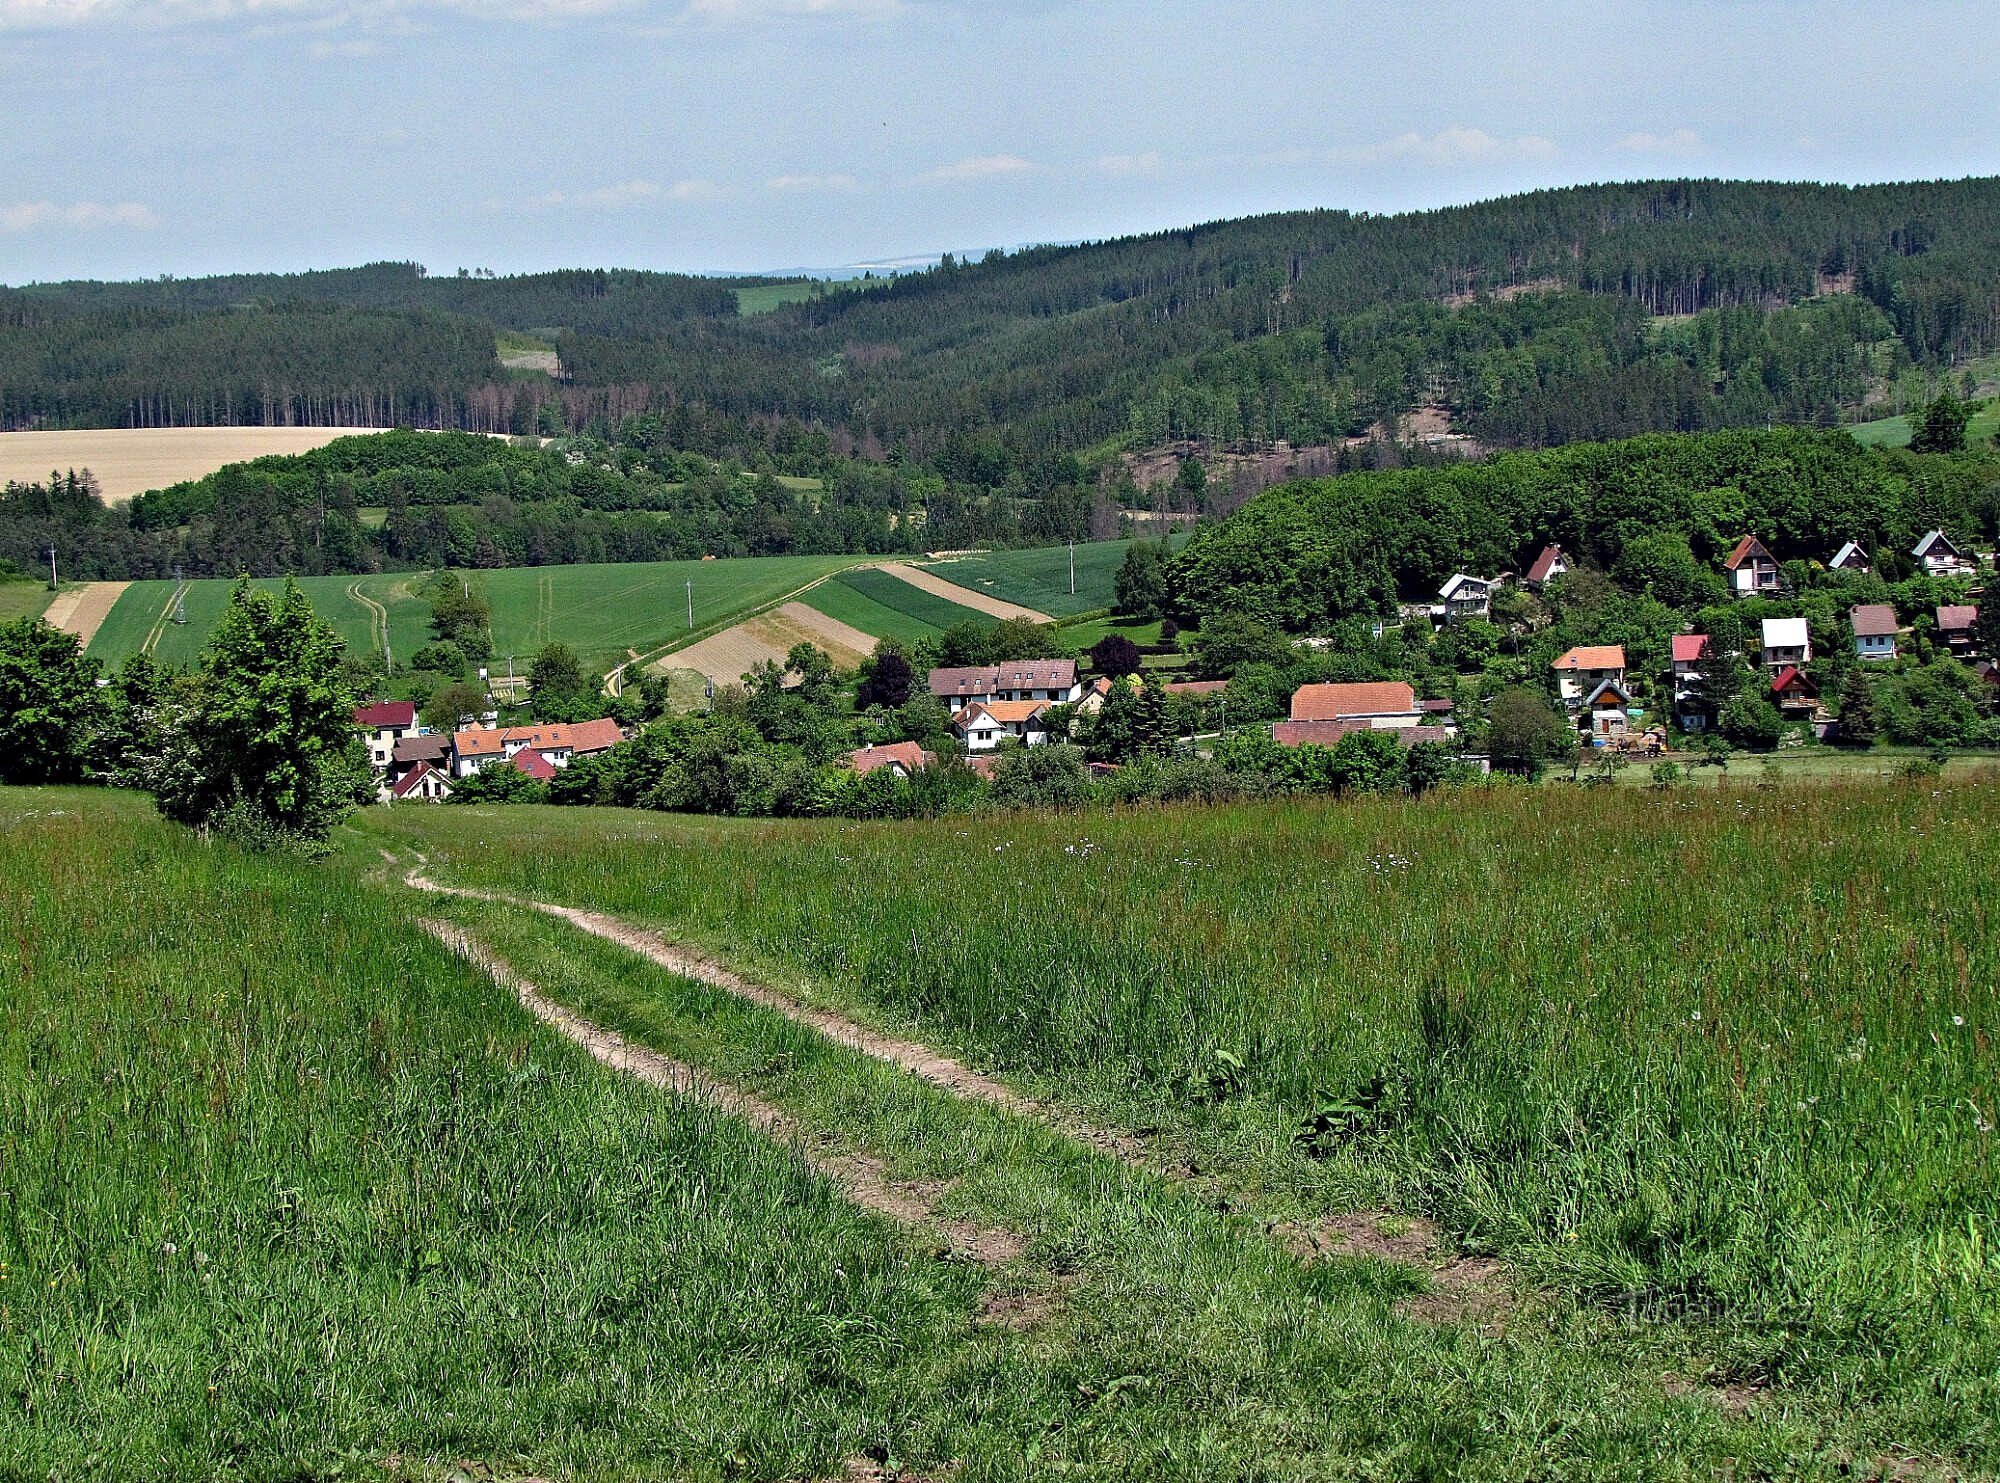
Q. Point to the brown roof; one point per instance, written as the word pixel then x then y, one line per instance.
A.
pixel 1008 712
pixel 911 757
pixel 429 747
pixel 1955 618
pixel 1538 570
pixel 1593 656
pixel 1369 698
pixel 1019 674
pixel 1873 619
pixel 1746 548
pixel 1328 733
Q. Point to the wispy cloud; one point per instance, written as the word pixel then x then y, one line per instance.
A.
pixel 1679 142
pixel 83 216
pixel 740 12
pixel 1457 145
pixel 804 184
pixel 981 167
pixel 618 197
pixel 1147 166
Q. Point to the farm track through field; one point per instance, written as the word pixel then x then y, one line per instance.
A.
pixel 82 610
pixel 378 617
pixel 1461 1287
pixel 863 1180
pixel 160 622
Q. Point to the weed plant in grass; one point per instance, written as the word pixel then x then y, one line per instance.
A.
pixel 289 1190
pixel 1724 1057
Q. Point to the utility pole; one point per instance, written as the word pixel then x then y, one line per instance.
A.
pixel 52 566
pixel 690 603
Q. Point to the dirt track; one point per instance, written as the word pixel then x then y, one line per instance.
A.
pixel 965 597
pixel 81 610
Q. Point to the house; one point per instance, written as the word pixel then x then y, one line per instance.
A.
pixel 1020 679
pixel 1874 625
pixel 1584 668
pixel 984 724
pixel 421 784
pixel 1546 567
pixel 1786 642
pixel 1849 558
pixel 386 723
pixel 1466 597
pixel 428 748
pixel 1386 705
pixel 559 744
pixel 1753 571
pixel 1795 696
pixel 529 762
pixel 1954 627
pixel 1687 651
pixel 1604 714
pixel 1938 556
pixel 901 758
pixel 1329 733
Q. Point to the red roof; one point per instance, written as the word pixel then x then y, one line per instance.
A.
pixel 407 784
pixel 1371 698
pixel 1542 565
pixel 580 737
pixel 1745 549
pixel 907 754
pixel 1592 656
pixel 386 713
pixel 533 763
pixel 1790 681
pixel 1873 620
pixel 1955 618
pixel 1329 733
pixel 1688 647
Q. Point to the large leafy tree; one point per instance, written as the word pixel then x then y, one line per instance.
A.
pixel 50 708
pixel 267 751
pixel 558 688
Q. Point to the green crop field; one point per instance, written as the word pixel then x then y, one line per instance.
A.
pixel 1039 578
pixel 1712 1073
pixel 876 602
pixel 1894 432
pixel 601 611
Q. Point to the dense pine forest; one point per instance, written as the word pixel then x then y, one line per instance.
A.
pixel 1589 312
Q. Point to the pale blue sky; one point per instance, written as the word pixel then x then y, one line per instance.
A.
pixel 192 136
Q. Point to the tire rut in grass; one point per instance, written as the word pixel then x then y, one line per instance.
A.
pixel 863 1180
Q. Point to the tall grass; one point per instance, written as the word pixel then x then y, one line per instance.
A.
pixel 285 1190
pixel 1726 1058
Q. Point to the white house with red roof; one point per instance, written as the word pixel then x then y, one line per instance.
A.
pixel 985 724
pixel 1386 705
pixel 1584 668
pixel 1547 566
pixel 901 758
pixel 558 743
pixel 1053 680
pixel 385 723
pixel 421 784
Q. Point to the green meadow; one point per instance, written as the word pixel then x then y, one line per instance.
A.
pixel 883 604
pixel 1040 578
pixel 602 611
pixel 25 599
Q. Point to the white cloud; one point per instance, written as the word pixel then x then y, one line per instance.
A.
pixel 617 197
pixel 1459 145
pixel 981 167
pixel 1679 142
pixel 1147 165
pixel 739 12
pixel 84 216
pixel 808 183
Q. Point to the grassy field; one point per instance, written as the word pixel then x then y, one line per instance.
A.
pixel 886 606
pixel 1894 432
pixel 601 611
pixel 1040 578
pixel 1719 1067
pixel 23 599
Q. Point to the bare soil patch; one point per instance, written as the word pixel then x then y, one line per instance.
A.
pixel 965 597
pixel 863 1180
pixel 82 609
pixel 132 460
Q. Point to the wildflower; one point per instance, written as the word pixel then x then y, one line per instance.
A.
pixel 1696 1015
pixel 1958 1020
pixel 167 1248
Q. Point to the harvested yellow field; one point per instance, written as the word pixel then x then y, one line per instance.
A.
pixel 82 609
pixel 132 460
pixel 724 658
pixel 965 597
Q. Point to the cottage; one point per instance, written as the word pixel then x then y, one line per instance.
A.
pixel 1605 712
pixel 1795 696
pixel 1687 651
pixel 1753 571
pixel 1053 680
pixel 900 758
pixel 1954 627
pixel 1786 643
pixel 386 723
pixel 1584 668
pixel 1466 597
pixel 1383 704
pixel 421 784
pixel 428 748
pixel 1849 558
pixel 559 744
pixel 1546 567
pixel 984 724
pixel 1875 630
pixel 1939 556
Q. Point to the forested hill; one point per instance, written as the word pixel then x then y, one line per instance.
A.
pixel 1540 319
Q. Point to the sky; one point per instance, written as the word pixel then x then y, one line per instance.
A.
pixel 141 137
